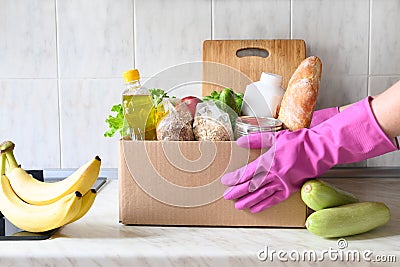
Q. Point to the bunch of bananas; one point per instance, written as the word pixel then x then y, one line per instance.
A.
pixel 36 206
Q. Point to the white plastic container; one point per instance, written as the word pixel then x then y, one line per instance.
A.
pixel 263 98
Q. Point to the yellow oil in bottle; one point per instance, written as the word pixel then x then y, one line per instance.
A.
pixel 138 108
pixel 140 116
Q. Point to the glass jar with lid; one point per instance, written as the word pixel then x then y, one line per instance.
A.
pixel 246 125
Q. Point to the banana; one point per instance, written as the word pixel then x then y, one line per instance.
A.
pixel 33 218
pixel 41 193
pixel 87 202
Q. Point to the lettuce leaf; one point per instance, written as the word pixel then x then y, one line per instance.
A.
pixel 116 123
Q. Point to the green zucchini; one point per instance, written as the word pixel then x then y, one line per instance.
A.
pixel 318 195
pixel 350 219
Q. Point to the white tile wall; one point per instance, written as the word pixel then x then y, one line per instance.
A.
pixel 258 19
pixel 385 37
pixel 29 118
pixel 95 38
pixel 84 105
pixel 64 58
pixel 337 32
pixel 169 33
pixel 27 39
pixel 179 80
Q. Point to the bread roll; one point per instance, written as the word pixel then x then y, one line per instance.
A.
pixel 299 100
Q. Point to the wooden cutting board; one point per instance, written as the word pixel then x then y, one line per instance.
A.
pixel 237 63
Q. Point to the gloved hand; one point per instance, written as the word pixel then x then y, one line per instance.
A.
pixel 322 115
pixel 350 136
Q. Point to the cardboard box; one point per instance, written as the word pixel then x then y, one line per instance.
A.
pixel 178 183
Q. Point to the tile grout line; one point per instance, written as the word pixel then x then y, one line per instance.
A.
pixel 212 19
pixel 134 33
pixel 291 19
pixel 78 78
pixel 369 44
pixel 369 54
pixel 58 83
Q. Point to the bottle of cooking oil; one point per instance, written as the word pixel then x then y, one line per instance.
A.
pixel 138 108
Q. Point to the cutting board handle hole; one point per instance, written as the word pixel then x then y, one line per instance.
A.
pixel 252 52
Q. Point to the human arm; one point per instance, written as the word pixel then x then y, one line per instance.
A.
pixel 386 108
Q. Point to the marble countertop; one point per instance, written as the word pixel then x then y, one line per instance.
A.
pixel 99 239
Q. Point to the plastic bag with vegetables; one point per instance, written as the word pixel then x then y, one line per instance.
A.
pixel 211 123
pixel 228 101
pixel 176 123
pixel 227 98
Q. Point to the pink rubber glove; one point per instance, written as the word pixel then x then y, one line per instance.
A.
pixel 322 115
pixel 350 136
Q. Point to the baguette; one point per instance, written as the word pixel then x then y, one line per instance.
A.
pixel 299 100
